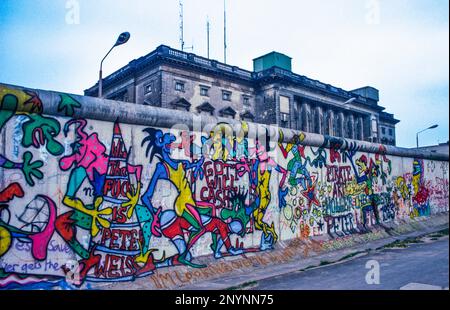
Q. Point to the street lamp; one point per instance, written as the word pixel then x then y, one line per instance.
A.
pixel 122 39
pixel 417 134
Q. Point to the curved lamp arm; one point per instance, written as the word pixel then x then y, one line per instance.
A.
pixel 122 39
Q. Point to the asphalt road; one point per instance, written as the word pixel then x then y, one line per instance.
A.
pixel 419 266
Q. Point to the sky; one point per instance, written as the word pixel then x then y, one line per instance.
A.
pixel 400 47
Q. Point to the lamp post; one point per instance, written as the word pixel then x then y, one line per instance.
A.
pixel 417 134
pixel 122 39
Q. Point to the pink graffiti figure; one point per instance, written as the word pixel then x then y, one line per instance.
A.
pixel 89 152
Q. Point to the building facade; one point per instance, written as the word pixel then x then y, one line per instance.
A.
pixel 442 148
pixel 270 94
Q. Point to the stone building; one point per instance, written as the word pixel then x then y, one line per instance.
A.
pixel 270 94
pixel 442 148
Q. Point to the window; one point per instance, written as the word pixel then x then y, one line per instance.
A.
pixel 246 100
pixel 204 91
pixel 148 88
pixel 391 132
pixel 226 95
pixel 227 112
pixel 374 125
pixel 284 104
pixel 121 95
pixel 247 116
pixel 125 97
pixel 179 86
pixel 383 130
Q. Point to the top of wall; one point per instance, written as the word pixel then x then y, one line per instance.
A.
pixel 76 106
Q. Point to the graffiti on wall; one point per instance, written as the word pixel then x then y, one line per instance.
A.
pixel 115 202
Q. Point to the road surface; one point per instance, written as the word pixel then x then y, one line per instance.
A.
pixel 419 266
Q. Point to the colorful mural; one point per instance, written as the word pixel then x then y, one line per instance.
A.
pixel 87 200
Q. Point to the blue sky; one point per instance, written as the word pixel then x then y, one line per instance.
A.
pixel 400 47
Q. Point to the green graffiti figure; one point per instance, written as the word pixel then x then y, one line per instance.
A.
pixel 37 130
pixel 68 104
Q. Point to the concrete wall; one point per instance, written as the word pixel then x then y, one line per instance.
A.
pixel 115 191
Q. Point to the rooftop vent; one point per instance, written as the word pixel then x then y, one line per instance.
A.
pixel 368 92
pixel 273 59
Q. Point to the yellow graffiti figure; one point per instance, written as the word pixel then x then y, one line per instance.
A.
pixel 5 240
pixel 221 141
pixel 224 142
pixel 133 198
pixel 294 141
pixel 263 192
pixel 185 197
pixel 417 175
pixel 77 204
pixel 400 183
pixel 27 102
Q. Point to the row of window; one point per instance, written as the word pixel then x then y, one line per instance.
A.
pixel 383 131
pixel 204 91
pixel 389 141
pixel 206 108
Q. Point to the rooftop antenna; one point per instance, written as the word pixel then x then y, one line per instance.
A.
pixel 207 35
pixel 224 32
pixel 181 26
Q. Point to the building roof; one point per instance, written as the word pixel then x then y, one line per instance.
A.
pixel 273 52
pixel 439 148
pixel 166 54
pixel 388 117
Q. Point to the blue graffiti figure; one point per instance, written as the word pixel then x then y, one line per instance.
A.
pixel 299 174
pixel 175 171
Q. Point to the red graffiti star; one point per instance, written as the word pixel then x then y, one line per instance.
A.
pixel 310 195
